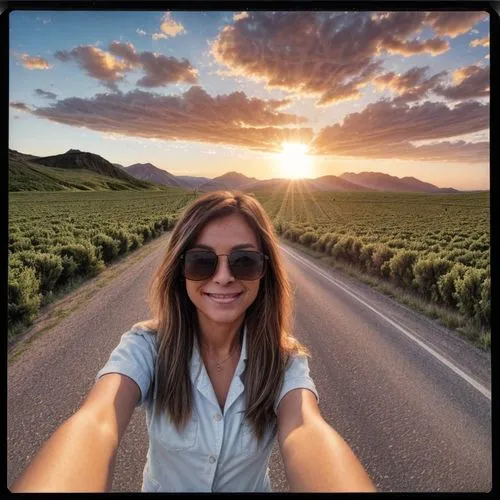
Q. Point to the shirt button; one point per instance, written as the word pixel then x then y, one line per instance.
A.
pixel 212 459
pixel 218 417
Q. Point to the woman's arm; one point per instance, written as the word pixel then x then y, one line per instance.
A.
pixel 315 456
pixel 77 457
pixel 80 455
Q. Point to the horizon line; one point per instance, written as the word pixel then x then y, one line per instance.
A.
pixel 267 179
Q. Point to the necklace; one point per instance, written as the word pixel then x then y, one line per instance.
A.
pixel 219 364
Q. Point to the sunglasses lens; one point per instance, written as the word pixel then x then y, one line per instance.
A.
pixel 246 265
pixel 199 265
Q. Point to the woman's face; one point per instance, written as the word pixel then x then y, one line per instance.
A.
pixel 221 235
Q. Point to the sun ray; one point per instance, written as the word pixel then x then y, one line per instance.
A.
pixel 321 210
pixel 284 201
pixel 307 212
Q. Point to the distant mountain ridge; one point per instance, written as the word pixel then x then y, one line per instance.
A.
pixel 146 175
pixel 76 159
pixel 365 181
pixel 148 172
pixel 234 179
pixel 193 182
pixel 335 183
pixel 71 171
pixel 385 182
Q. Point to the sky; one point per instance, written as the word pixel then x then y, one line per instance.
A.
pixel 266 94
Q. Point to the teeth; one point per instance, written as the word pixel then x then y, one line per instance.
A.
pixel 220 296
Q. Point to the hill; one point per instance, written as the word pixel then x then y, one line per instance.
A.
pixel 76 159
pixel 334 183
pixel 88 171
pixel 74 171
pixel 385 182
pixel 150 173
pixel 192 182
pixel 229 180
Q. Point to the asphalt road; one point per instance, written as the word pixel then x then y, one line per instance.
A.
pixel 411 398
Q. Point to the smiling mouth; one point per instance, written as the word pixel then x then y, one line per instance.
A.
pixel 223 298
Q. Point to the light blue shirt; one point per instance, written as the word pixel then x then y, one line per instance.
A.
pixel 216 451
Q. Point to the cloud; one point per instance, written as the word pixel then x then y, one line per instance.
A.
pixel 161 70
pixel 126 51
pixel 445 151
pixel 453 24
pixel 387 130
pixel 169 27
pixel 35 62
pixel 434 46
pixel 158 36
pixel 21 106
pixel 110 66
pixel 481 42
pixel 410 86
pixel 97 63
pixel 140 32
pixel 239 15
pixel 45 93
pixel 329 56
pixel 469 82
pixel 43 21
pixel 232 119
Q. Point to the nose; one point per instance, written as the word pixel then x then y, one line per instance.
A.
pixel 223 272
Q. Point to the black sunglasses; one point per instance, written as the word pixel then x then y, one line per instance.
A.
pixel 247 265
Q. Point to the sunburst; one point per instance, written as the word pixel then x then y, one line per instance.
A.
pixel 295 163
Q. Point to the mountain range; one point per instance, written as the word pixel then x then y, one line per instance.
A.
pixel 77 170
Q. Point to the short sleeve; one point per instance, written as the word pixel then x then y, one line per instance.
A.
pixel 296 376
pixel 134 357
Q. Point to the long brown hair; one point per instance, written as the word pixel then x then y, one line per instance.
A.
pixel 270 342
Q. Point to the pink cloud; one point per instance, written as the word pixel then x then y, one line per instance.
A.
pixel 410 86
pixel 434 46
pixel 453 24
pixel 232 119
pixel 162 70
pixel 126 51
pixel 35 62
pixel 169 27
pixel 21 106
pixel 110 66
pixel 387 129
pixel 480 42
pixel 470 82
pixel 329 56
pixel 97 63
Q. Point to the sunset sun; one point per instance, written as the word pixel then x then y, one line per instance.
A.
pixel 294 161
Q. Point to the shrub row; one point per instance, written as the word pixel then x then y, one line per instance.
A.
pixel 438 280
pixel 38 270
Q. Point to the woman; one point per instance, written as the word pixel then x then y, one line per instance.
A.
pixel 217 370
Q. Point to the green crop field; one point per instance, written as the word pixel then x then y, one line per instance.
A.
pixel 55 237
pixel 450 226
pixel 436 246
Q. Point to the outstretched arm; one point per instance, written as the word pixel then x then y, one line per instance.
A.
pixel 80 455
pixel 315 456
